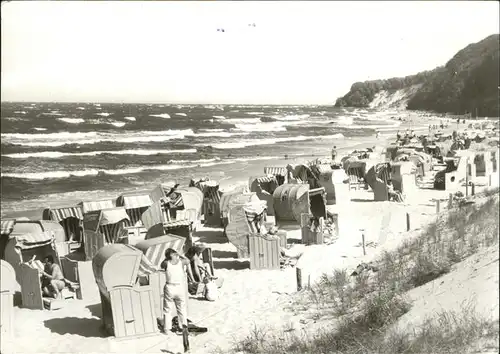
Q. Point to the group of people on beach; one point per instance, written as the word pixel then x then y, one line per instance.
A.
pixel 404 139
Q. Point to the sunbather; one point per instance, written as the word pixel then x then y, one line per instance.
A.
pixel 393 194
pixel 52 278
pixel 198 272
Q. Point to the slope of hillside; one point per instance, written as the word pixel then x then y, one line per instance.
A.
pixel 468 82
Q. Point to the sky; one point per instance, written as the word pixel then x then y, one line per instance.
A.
pixel 300 52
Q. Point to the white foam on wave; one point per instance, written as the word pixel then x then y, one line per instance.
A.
pixel 71 120
pixel 163 115
pixel 53 113
pixel 118 124
pixel 291 117
pixel 175 165
pixel 57 154
pixel 64 138
pixel 219 117
pixel 270 141
pixel 220 134
pixel 104 114
pixel 345 120
pixel 243 120
pixel 255 113
pixel 20 112
pixel 40 129
pixel 132 119
pixel 81 108
pixel 211 130
pixel 262 127
pixel 181 114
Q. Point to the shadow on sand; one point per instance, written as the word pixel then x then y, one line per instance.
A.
pixel 85 327
pixel 224 254
pixel 211 236
pixel 18 300
pixel 358 200
pixel 95 310
pixel 232 265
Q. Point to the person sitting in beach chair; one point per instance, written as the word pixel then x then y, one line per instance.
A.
pixel 52 278
pixel 198 272
pixel 394 195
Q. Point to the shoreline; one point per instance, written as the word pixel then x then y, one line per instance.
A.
pixel 229 175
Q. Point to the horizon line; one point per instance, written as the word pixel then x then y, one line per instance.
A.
pixel 176 103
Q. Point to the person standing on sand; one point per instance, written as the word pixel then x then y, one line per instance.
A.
pixel 175 292
pixel 334 153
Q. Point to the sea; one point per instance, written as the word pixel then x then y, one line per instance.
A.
pixel 76 150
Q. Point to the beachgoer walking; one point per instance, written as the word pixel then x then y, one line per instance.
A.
pixel 377 134
pixel 334 153
pixel 52 278
pixel 174 291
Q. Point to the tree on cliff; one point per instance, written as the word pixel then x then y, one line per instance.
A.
pixel 468 82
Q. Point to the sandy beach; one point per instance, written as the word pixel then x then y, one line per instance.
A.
pixel 249 298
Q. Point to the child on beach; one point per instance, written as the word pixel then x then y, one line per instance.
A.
pixel 174 291
pixel 334 153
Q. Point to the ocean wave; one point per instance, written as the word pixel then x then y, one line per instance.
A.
pixel 181 114
pixel 118 124
pixel 219 117
pixel 40 129
pixel 221 134
pixel 255 113
pixel 20 112
pixel 81 108
pixel 270 141
pixel 132 119
pixel 211 130
pixel 243 120
pixel 66 138
pixel 57 154
pixel 71 120
pixel 104 114
pixel 371 126
pixel 262 127
pixel 54 113
pixel 163 115
pixel 174 165
pixel 345 120
pixel 291 117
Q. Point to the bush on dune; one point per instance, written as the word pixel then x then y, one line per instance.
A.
pixel 365 306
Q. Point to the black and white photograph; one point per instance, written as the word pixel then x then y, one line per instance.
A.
pixel 249 177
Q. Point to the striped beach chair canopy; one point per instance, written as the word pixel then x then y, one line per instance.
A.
pixel 154 249
pixel 323 168
pixel 255 213
pixel 61 213
pixel 209 188
pixel 278 171
pixel 317 191
pixel 134 200
pixel 266 179
pixel 110 222
pixel 92 205
pixel 34 240
pixel 135 204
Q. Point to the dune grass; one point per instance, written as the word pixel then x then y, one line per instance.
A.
pixel 365 306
